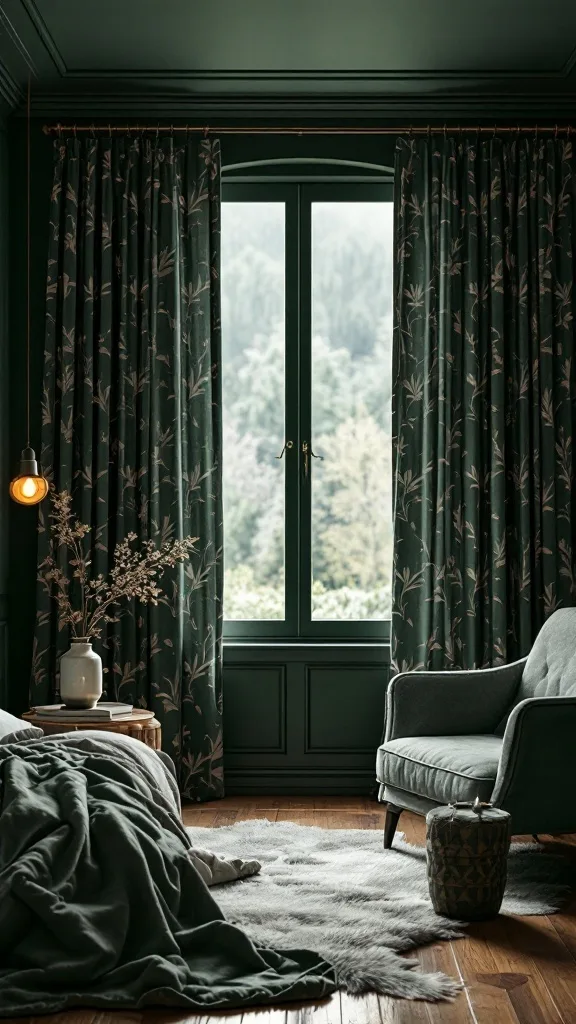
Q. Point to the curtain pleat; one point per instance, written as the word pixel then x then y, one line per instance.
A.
pixel 131 424
pixel 483 402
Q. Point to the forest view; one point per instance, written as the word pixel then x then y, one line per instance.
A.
pixel 351 407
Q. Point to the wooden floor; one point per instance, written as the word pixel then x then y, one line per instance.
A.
pixel 515 970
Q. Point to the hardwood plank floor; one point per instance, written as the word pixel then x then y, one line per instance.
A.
pixel 515 970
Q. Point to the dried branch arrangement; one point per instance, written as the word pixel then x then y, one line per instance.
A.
pixel 134 574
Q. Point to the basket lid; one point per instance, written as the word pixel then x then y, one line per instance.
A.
pixel 467 813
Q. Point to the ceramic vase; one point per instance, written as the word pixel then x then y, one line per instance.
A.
pixel 80 675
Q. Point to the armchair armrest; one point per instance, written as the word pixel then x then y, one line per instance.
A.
pixel 535 780
pixel 457 703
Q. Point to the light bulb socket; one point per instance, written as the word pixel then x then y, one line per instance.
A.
pixel 28 463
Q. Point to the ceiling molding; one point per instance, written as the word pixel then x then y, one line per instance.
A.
pixel 9 89
pixel 368 107
pixel 61 92
pixel 11 94
pixel 311 75
pixel 45 37
pixel 15 41
pixel 570 64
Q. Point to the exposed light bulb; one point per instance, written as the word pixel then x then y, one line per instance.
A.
pixel 29 487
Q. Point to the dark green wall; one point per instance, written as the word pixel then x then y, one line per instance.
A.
pixel 303 718
pixel 4 419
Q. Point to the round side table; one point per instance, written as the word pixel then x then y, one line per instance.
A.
pixel 141 725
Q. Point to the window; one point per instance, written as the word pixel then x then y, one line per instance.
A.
pixel 307 341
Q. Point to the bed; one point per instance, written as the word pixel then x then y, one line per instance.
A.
pixel 103 902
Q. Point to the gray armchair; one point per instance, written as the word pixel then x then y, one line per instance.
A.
pixel 504 734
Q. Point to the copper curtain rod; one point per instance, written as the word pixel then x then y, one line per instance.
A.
pixel 59 129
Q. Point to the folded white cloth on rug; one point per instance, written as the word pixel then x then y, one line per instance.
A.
pixel 214 869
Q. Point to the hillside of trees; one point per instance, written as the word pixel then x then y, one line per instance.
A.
pixel 351 394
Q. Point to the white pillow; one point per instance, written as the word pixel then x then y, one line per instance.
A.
pixel 14 729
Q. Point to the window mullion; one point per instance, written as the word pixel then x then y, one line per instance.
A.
pixel 305 410
pixel 292 370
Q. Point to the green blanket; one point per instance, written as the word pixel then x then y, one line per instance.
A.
pixel 100 904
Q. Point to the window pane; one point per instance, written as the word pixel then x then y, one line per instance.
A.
pixel 253 408
pixel 351 400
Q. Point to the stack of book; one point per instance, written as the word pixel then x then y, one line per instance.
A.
pixel 105 711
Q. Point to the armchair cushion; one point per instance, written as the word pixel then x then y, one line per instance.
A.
pixel 441 768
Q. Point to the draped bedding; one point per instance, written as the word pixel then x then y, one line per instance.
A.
pixel 100 902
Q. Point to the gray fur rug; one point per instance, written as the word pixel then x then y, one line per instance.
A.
pixel 337 892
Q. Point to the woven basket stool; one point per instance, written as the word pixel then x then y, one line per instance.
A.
pixel 467 853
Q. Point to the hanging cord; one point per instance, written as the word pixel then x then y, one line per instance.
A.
pixel 28 267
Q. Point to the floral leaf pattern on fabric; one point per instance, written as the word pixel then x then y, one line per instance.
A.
pixel 483 407
pixel 131 419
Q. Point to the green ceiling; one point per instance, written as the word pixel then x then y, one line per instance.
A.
pixel 376 57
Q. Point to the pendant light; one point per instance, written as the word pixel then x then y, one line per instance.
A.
pixel 29 487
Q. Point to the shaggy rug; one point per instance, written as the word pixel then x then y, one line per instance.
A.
pixel 337 892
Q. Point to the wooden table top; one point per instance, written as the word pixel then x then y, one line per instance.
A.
pixel 100 723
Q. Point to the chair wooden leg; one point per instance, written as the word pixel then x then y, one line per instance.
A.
pixel 392 817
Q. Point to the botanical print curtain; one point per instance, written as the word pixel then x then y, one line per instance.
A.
pixel 484 386
pixel 131 418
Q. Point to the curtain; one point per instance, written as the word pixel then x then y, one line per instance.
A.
pixel 131 419
pixel 483 407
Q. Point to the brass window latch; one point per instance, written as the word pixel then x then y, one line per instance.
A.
pixel 307 452
pixel 288 445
